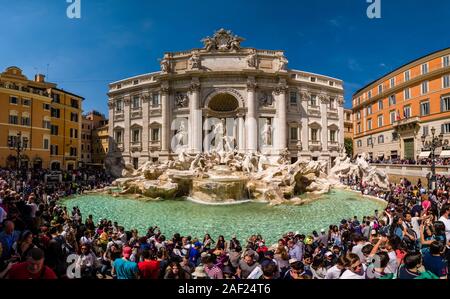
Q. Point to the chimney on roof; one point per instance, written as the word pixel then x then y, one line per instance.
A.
pixel 39 78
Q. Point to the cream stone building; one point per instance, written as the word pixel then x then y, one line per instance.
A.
pixel 224 97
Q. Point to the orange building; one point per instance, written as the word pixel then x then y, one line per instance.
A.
pixel 391 114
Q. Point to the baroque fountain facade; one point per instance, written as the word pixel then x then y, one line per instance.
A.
pixel 226 123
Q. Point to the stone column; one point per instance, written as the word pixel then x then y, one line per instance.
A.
pixel 324 99
pixel 241 133
pixel 195 118
pixel 111 107
pixel 280 121
pixel 341 120
pixel 127 126
pixel 252 117
pixel 145 124
pixel 165 115
pixel 305 97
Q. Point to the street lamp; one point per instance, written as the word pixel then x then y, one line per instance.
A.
pixel 18 144
pixel 432 145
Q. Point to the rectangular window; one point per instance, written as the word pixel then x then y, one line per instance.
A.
pixel 136 103
pixel 446 61
pixel 407 76
pixel 14 119
pixel 425 108
pixel 392 100
pixel 358 115
pixel 56 98
pixel 73 151
pixel 445 104
pixel 46 106
pixel 392 82
pixel 445 128
pixel 359 143
pixel 136 136
pixel 425 87
pixel 369 110
pixel 293 98
pixel 54 130
pixel 332 136
pixel 74 103
pixel 425 130
pixel 46 143
pixel 424 68
pixel 119 106
pixel 155 134
pixel 314 135
pixel 394 136
pixel 46 124
pixel 407 111
pixel 294 133
pixel 74 116
pixel 26 102
pixel 56 113
pixel 13 100
pixel 369 124
pixel 380 105
pixel 53 150
pixel 119 136
pixel 359 128
pixel 369 141
pixel 155 100
pixel 446 81
pixel 369 94
pixel 26 121
pixel 380 89
pixel 407 94
pixel 380 121
pixel 392 117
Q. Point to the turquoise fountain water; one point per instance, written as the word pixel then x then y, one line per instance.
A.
pixel 241 219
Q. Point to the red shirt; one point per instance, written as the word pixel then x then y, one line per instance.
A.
pixel 149 269
pixel 20 271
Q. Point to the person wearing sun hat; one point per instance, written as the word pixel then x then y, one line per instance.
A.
pixel 123 267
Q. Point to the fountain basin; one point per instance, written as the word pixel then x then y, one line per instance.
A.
pixel 219 189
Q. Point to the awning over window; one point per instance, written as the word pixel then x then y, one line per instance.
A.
pixel 425 154
pixel 445 154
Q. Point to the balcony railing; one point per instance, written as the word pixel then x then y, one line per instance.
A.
pixel 154 145
pixel 314 110
pixel 25 89
pixel 136 113
pixel 315 145
pixel 136 146
pixel 295 144
pixel 407 121
pixel 333 146
pixel 119 116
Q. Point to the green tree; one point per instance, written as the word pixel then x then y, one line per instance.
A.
pixel 348 143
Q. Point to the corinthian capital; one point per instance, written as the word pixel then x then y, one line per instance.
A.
pixel 281 88
pixel 111 105
pixel 324 99
pixel 305 96
pixel 251 84
pixel 195 85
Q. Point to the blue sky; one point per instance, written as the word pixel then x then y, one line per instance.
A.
pixel 115 39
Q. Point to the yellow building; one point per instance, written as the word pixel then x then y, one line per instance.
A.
pixel 91 153
pixel 100 143
pixel 44 116
pixel 66 122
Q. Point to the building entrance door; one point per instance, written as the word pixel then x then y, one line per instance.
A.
pixel 409 149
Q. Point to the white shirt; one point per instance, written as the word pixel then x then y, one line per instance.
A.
pixel 447 227
pixel 392 264
pixel 34 209
pixel 350 275
pixel 333 273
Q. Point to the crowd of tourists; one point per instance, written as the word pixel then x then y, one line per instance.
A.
pixel 418 161
pixel 42 239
